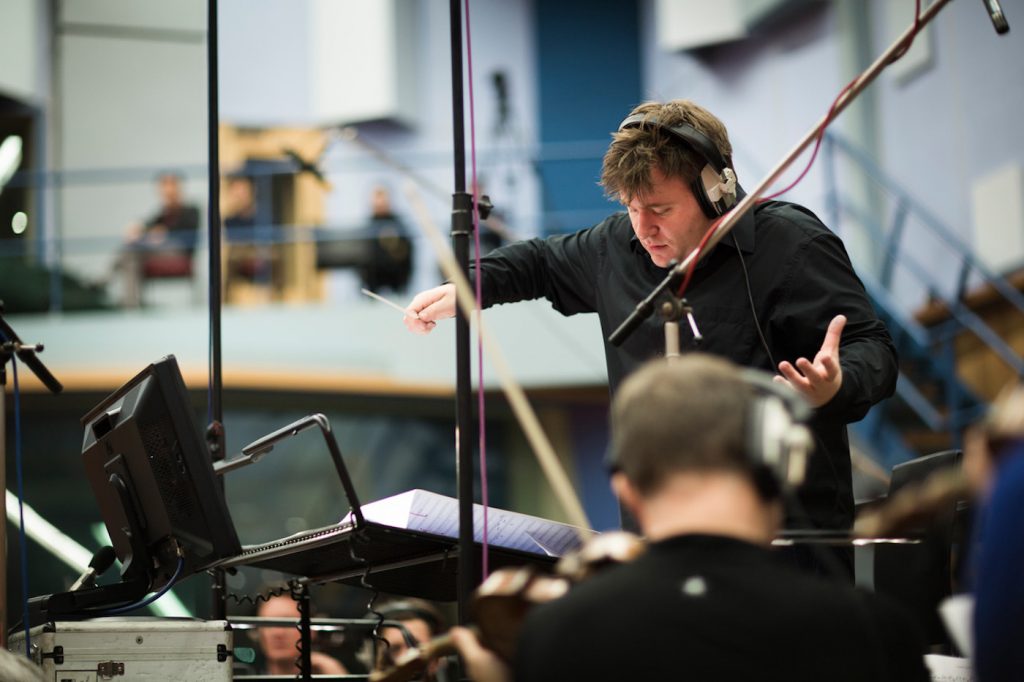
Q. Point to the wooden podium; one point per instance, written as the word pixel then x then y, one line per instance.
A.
pixel 296 205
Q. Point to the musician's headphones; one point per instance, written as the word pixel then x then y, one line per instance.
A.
pixel 410 610
pixel 715 185
pixel 778 441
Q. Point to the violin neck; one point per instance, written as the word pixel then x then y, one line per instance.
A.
pixel 414 661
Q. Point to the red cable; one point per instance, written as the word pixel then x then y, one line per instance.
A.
pixel 485 569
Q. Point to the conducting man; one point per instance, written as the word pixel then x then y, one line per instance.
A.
pixel 779 293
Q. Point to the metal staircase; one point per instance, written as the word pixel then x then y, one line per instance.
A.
pixel 933 402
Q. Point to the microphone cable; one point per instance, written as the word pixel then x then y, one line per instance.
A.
pixel 481 428
pixel 20 476
pixel 150 599
pixel 829 118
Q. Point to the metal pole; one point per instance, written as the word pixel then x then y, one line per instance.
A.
pixel 462 226
pixel 3 487
pixel 215 432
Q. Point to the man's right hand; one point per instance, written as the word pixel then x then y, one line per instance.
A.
pixel 483 664
pixel 429 306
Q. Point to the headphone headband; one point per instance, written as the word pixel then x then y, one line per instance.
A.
pixel 700 142
pixel 715 185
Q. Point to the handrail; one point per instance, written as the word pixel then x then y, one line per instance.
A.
pixel 968 319
pixel 936 226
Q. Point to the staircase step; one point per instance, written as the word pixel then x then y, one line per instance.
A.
pixel 926 441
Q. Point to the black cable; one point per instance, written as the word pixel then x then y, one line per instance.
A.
pixel 753 308
pixel 267 595
pixel 375 635
pixel 304 644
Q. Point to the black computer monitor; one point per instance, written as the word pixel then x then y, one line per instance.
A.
pixel 152 476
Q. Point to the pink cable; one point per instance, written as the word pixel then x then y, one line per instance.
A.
pixel 831 110
pixel 479 298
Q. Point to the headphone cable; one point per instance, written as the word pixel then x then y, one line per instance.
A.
pixel 753 308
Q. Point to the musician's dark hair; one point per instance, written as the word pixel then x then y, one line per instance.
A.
pixel 636 151
pixel 682 416
pixel 412 608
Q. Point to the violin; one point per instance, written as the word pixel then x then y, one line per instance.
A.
pixel 983 445
pixel 501 603
pixel 913 505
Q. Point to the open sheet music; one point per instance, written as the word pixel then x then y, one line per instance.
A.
pixel 428 512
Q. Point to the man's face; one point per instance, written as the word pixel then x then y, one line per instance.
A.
pixel 278 643
pixel 170 190
pixel 417 627
pixel 667 219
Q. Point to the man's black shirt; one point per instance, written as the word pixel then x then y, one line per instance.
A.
pixel 800 277
pixel 704 607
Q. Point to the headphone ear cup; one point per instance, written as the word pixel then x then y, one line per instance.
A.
pixel 700 193
pixel 715 191
pixel 778 442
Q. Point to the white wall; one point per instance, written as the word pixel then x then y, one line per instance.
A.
pixel 956 122
pixel 21 25
pixel 768 91
pixel 131 99
pixel 264 62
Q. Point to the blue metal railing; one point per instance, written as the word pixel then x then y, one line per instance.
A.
pixel 931 350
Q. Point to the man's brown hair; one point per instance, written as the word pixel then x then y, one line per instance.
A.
pixel 681 416
pixel 636 151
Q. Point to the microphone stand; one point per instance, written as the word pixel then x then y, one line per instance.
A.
pixel 11 345
pixel 725 225
pixel 215 436
pixel 462 228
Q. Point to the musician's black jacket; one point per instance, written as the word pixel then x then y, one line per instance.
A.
pixel 800 277
pixel 702 607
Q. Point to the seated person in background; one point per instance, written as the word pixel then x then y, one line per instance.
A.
pixel 279 644
pixel 421 622
pixel 709 599
pixel 250 259
pixel 175 224
pixel 239 202
pixel 391 253
pixel 163 245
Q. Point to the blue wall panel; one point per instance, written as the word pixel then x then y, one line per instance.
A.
pixel 588 78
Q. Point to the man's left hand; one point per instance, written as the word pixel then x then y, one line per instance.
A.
pixel 818 381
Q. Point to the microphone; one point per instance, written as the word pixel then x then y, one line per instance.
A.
pixel 500 81
pixel 995 13
pixel 101 561
pixel 305 166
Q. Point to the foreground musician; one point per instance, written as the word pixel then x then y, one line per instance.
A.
pixel 994 464
pixel 708 600
pixel 778 293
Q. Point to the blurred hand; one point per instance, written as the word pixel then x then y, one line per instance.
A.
pixel 482 664
pixel 429 306
pixel 156 234
pixel 322 664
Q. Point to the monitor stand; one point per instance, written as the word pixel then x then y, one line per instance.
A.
pixel 136 577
